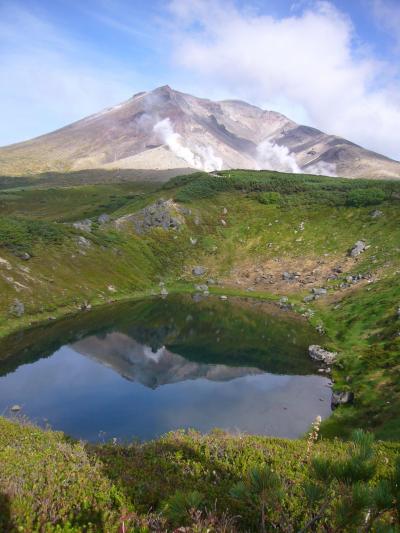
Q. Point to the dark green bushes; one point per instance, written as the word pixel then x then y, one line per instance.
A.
pixel 276 187
pixel 365 197
pixel 21 234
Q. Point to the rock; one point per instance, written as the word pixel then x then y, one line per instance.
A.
pixel 202 287
pixel 376 213
pixel 17 308
pixel 289 276
pixel 224 211
pixel 223 297
pixel 398 312
pixel 15 408
pixel 193 240
pixel 223 222
pixel 319 354
pixel 83 225
pixel 211 281
pixel 165 214
pixel 308 298
pixel 103 219
pixel 198 271
pixel 24 256
pixel 86 306
pixel 341 398
pixel 357 249
pixel 163 291
pixel 83 241
pixel 111 288
pixel 319 292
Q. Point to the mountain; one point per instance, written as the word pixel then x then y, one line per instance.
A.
pixel 166 129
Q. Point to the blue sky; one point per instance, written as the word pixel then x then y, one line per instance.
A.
pixel 332 64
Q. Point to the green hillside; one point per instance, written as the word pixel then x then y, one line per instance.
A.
pixel 262 235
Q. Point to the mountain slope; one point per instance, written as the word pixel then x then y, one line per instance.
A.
pixel 167 129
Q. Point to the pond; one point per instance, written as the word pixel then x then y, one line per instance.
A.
pixel 140 369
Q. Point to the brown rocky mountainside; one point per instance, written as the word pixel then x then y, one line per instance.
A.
pixel 166 129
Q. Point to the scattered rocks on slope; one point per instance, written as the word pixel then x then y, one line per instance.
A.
pixel 17 308
pixel 103 218
pixel 319 354
pixel 23 255
pixel 83 241
pixel 318 291
pixel 357 249
pixel 164 292
pixel 198 271
pixel 83 225
pixel 341 398
pixel 290 276
pixel 164 214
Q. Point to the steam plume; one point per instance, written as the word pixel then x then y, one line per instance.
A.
pixel 203 158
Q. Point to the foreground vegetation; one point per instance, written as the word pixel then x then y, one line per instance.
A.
pixel 199 483
pixel 259 234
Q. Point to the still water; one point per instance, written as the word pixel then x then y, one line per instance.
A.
pixel 144 368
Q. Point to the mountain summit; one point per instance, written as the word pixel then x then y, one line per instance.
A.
pixel 167 129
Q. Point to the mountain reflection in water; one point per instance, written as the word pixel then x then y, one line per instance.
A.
pixel 144 368
pixel 152 368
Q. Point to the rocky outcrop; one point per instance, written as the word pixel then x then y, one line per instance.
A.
pixel 165 214
pixel 341 398
pixel 319 354
pixel 17 308
pixel 357 249
pixel 83 225
pixel 198 271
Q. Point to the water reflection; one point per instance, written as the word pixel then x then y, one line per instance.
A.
pixel 158 365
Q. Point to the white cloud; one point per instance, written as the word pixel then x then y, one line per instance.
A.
pixel 309 60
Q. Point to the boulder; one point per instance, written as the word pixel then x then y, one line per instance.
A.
pixel 198 271
pixel 341 398
pixel 164 214
pixel 103 218
pixel 319 354
pixel 202 287
pixel 358 248
pixel 83 241
pixel 83 225
pixel 289 276
pixel 17 308
pixel 319 292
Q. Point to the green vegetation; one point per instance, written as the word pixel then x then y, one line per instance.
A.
pixel 21 234
pixel 208 483
pixel 246 229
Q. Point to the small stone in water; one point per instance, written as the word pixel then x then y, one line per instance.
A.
pixel 16 408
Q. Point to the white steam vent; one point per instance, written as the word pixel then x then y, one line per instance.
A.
pixel 201 157
pixel 274 157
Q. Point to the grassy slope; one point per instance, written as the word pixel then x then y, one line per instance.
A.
pixel 361 321
pixel 48 481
